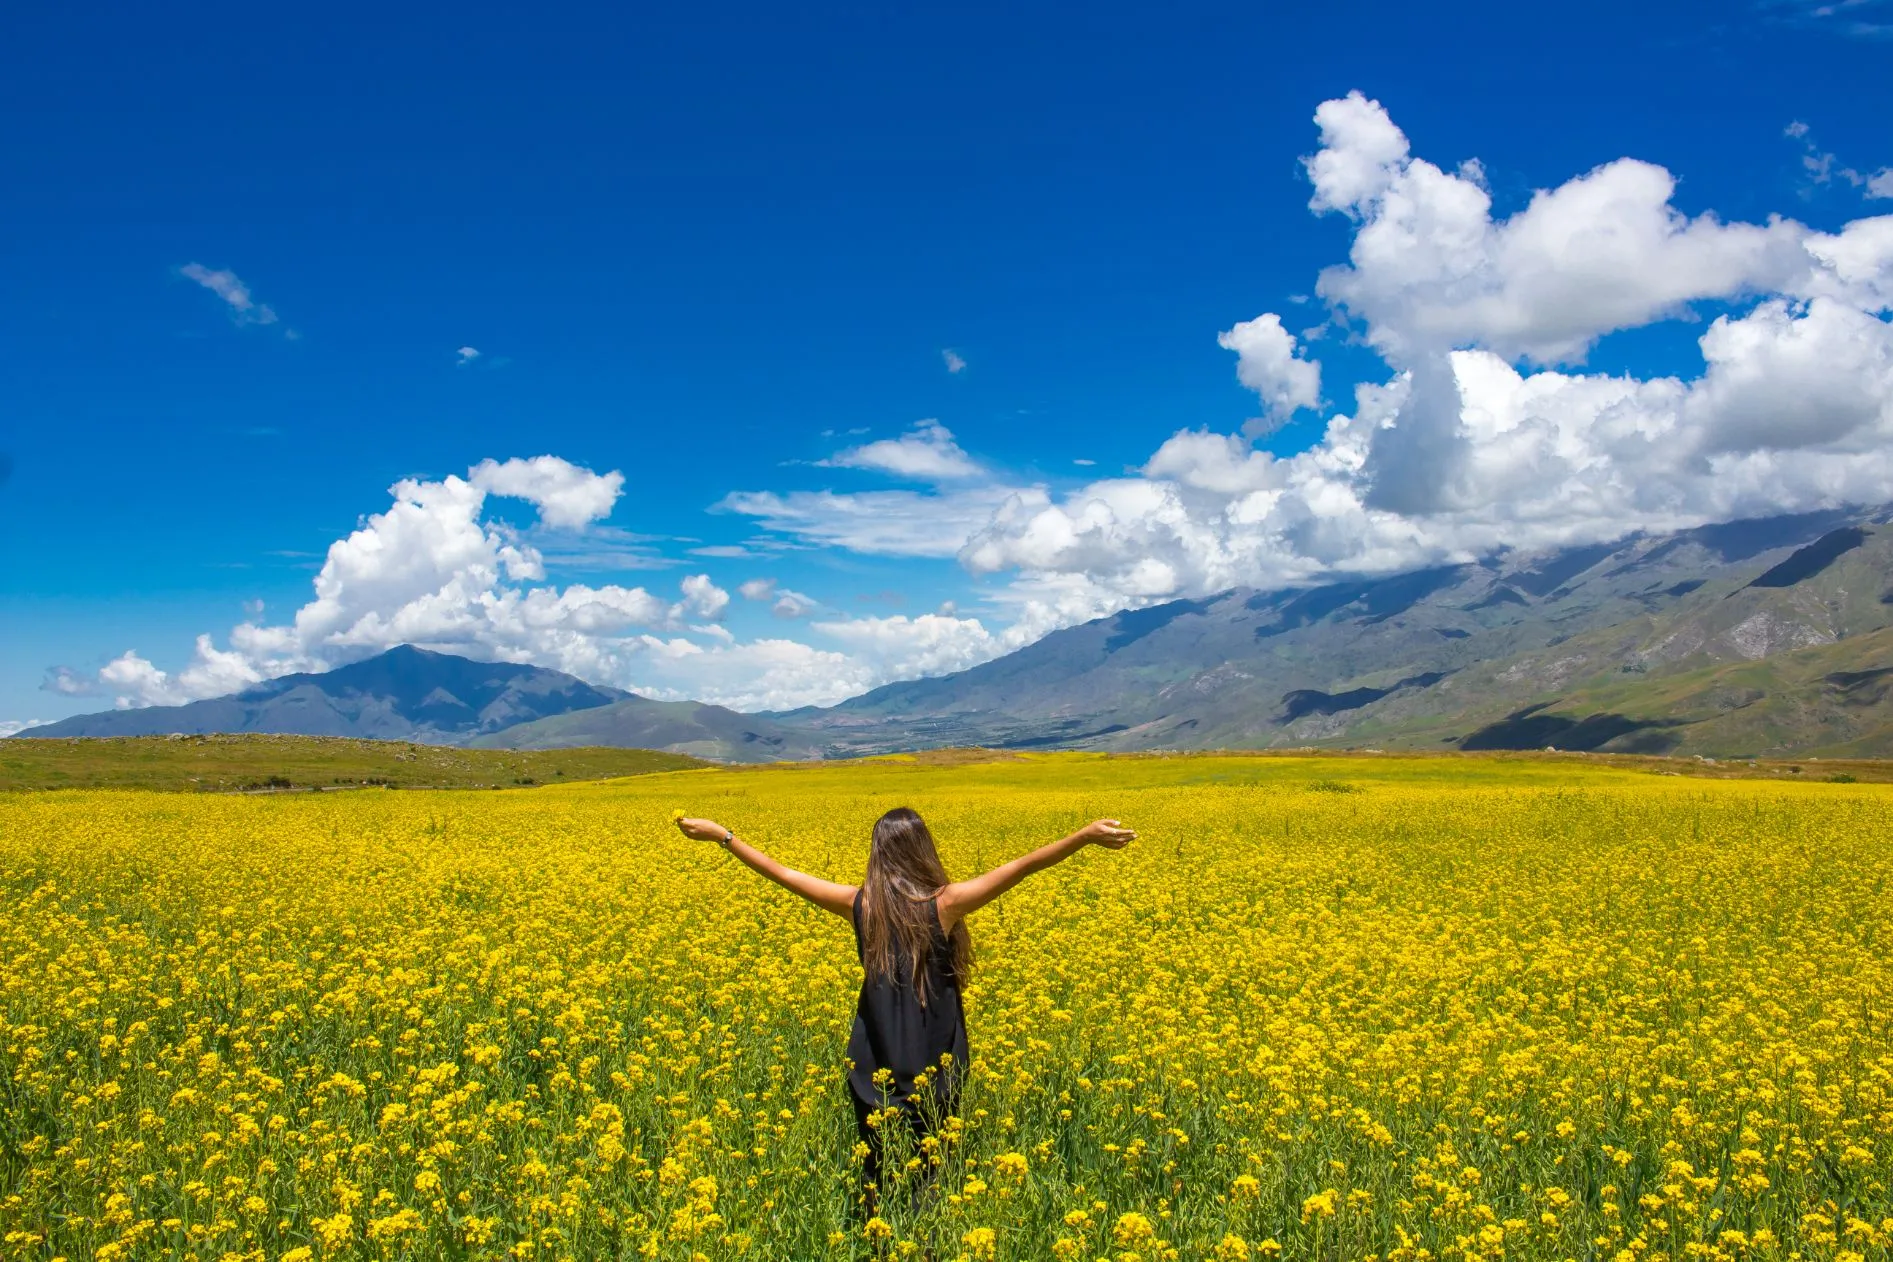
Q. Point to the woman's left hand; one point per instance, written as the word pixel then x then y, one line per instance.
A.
pixel 702 829
pixel 1109 833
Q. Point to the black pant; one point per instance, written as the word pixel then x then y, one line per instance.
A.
pixel 918 1127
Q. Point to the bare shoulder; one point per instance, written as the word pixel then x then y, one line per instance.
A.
pixel 840 899
pixel 951 905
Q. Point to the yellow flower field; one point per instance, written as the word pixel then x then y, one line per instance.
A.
pixel 1321 1008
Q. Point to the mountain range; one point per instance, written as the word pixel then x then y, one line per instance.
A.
pixel 405 693
pixel 1762 637
pixel 1677 643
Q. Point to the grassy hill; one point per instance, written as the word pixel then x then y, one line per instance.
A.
pixel 1828 701
pixel 234 763
pixel 679 727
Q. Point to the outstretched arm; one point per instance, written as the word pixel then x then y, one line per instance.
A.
pixel 963 898
pixel 824 894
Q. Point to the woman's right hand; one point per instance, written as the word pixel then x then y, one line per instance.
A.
pixel 1109 833
pixel 702 829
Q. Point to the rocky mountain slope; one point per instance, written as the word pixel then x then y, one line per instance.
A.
pixel 1434 658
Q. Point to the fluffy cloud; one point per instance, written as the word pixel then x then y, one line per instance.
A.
pixel 13 727
pixel 779 674
pixel 227 285
pixel 431 569
pixel 1482 435
pixel 925 454
pixel 1794 412
pixel 704 599
pixel 954 361
pixel 931 644
pixel 212 672
pixel 1269 363
pixel 565 495
pixel 1430 269
pixel 434 569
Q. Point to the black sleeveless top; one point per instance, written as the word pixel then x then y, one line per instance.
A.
pixel 893 1032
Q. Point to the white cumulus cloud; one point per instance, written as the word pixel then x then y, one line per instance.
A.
pixel 1486 431
pixel 853 656
pixel 1430 269
pixel 564 494
pixel 1270 363
pixel 704 599
pixel 927 453
pixel 432 569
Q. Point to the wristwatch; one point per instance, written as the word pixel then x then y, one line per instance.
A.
pixel 728 837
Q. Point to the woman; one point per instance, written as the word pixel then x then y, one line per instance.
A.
pixel 908 1046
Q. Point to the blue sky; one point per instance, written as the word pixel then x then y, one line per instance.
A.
pixel 725 251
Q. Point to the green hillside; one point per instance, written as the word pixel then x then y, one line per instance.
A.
pixel 235 763
pixel 1833 700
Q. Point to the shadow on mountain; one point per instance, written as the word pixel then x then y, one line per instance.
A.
pixel 1133 625
pixel 1530 729
pixel 1861 687
pixel 1500 595
pixel 1394 596
pixel 1805 563
pixel 1059 738
pixel 1306 701
pixel 1561 568
pixel 1304 607
pixel 1737 541
pixel 1740 540
pixel 1379 599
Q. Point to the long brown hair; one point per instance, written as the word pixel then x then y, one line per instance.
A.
pixel 897 921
